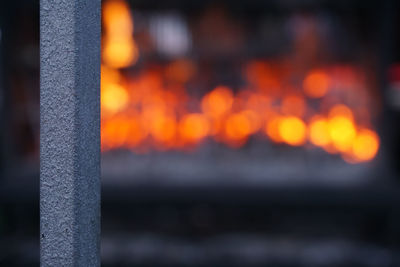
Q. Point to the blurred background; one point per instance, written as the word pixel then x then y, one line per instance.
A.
pixel 234 133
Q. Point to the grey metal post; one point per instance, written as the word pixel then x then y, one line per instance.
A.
pixel 70 132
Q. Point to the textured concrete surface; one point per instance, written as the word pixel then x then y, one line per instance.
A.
pixel 70 132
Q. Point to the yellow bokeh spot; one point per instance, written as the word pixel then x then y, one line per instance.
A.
pixel 114 97
pixel 341 110
pixel 319 132
pixel 342 131
pixel 218 102
pixel 119 53
pixel 316 84
pixel 194 127
pixel 119 47
pixel 292 131
pixel 366 145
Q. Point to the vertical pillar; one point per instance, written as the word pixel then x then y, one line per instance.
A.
pixel 70 132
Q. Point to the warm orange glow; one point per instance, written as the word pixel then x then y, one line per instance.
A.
pixel 319 132
pixel 113 97
pixel 292 131
pixel 109 75
pixel 316 84
pixel 121 131
pixel 193 127
pixel 238 126
pixel 117 18
pixel 254 120
pixel 119 48
pixel 342 131
pixel 341 110
pixel 272 129
pixel 258 102
pixel 119 53
pixel 152 108
pixel 293 105
pixel 366 145
pixel 143 112
pixel 180 70
pixel 217 102
pixel 163 128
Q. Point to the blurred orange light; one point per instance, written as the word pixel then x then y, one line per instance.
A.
pixel 342 131
pixel 272 129
pixel 293 105
pixel 121 131
pixel 136 132
pixel 366 145
pixel 341 110
pixel 292 131
pixel 316 84
pixel 119 53
pixel 113 97
pixel 217 102
pixel 193 127
pixel 119 48
pixel 163 128
pixel 254 120
pixel 150 108
pixel 109 75
pixel 319 132
pixel 258 102
pixel 117 18
pixel 237 126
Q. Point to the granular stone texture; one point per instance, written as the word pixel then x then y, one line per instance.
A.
pixel 70 132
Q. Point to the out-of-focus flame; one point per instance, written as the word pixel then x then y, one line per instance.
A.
pixel 119 53
pixel 272 128
pixel 154 110
pixel 292 131
pixel 237 128
pixel 316 84
pixel 193 127
pixel 122 131
pixel 218 102
pixel 159 118
pixel 114 97
pixel 119 48
pixel 342 132
pixel 163 128
pixel 365 146
pixel 254 120
pixel 117 18
pixel 342 111
pixel 293 105
pixel 319 131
